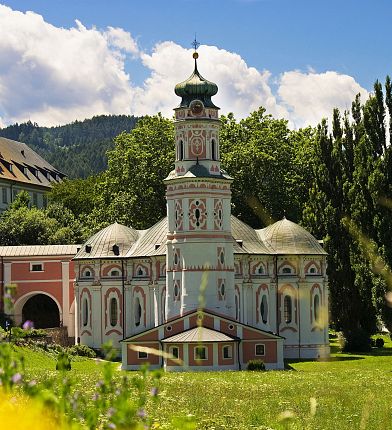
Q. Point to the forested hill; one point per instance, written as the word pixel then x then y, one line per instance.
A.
pixel 77 149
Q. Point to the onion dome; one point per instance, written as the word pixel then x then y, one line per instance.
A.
pixel 113 241
pixel 286 237
pixel 196 88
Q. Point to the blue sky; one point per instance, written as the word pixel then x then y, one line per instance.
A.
pixel 295 43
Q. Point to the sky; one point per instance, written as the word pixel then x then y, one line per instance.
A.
pixel 67 60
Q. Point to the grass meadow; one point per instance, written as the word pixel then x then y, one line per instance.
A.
pixel 350 391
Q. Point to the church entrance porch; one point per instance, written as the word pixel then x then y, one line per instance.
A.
pixel 202 340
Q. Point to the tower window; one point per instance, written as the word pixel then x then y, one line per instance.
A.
pixel 181 155
pixel 213 149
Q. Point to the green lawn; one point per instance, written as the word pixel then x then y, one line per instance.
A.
pixel 347 392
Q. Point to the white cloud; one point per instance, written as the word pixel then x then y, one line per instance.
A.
pixel 55 75
pixel 242 89
pixel 312 96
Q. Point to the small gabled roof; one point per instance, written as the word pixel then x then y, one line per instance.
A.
pixel 199 334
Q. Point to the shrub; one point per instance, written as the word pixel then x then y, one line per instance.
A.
pixel 379 343
pixel 355 341
pixel 255 365
pixel 63 361
pixel 82 350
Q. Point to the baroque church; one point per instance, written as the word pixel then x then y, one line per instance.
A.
pixel 200 289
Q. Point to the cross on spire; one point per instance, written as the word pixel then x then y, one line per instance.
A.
pixel 195 44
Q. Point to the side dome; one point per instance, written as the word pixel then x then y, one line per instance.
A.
pixel 287 237
pixel 113 241
pixel 196 88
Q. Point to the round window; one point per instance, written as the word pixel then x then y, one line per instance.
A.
pixel 169 328
pixel 231 327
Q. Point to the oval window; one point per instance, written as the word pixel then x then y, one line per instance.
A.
pixel 113 312
pixel 222 257
pixel 264 309
pixel 222 290
pixel 176 291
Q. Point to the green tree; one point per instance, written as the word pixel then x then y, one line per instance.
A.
pixel 132 191
pixel 258 153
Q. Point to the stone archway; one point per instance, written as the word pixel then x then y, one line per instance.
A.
pixel 42 310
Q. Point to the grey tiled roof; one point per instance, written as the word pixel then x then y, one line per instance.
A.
pixel 151 241
pixel 37 250
pixel 27 166
pixel 286 237
pixel 199 334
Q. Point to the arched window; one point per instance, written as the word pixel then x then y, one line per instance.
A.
pixel 316 308
pixel 260 270
pixel 288 309
pixel 87 273
pixel 264 309
pixel 113 312
pixel 213 149
pixel 312 270
pixel 138 312
pixel 181 155
pixel 286 270
pixel 115 273
pixel 236 308
pixel 85 312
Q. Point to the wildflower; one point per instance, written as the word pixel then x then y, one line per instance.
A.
pixel 32 383
pixel 141 413
pixel 95 397
pixel 16 378
pixel 111 412
pixel 154 391
pixel 99 383
pixel 112 425
pixel 28 325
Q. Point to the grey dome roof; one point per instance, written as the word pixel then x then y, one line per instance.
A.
pixel 286 237
pixel 101 244
pixel 246 239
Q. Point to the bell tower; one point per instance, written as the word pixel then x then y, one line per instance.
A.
pixel 200 260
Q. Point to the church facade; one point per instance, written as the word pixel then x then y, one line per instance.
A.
pixel 201 289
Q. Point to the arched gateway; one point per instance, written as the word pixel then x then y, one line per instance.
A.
pixel 42 310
